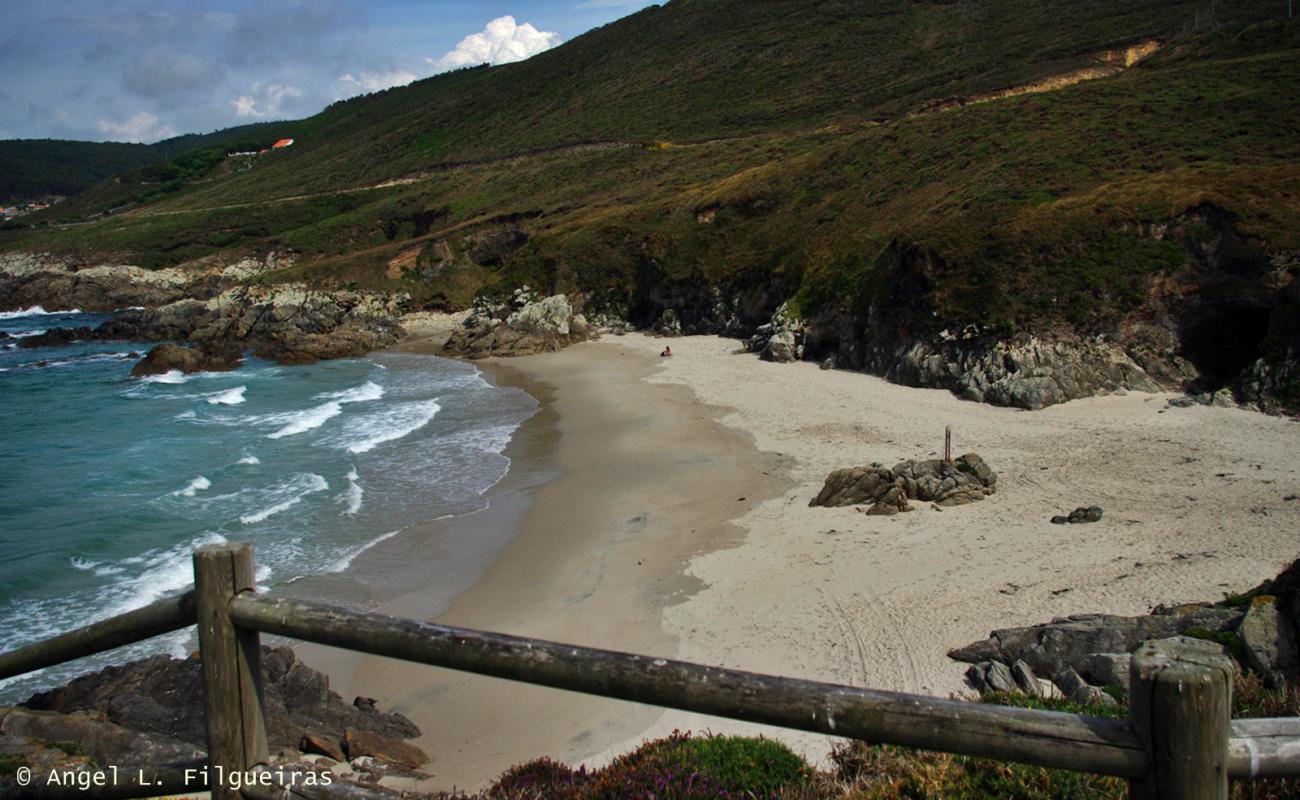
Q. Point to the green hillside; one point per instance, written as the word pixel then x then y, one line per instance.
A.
pixel 33 168
pixel 800 146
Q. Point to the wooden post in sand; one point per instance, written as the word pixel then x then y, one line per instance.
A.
pixel 1180 707
pixel 947 444
pixel 232 667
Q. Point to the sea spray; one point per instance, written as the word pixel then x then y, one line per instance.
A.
pixel 106 502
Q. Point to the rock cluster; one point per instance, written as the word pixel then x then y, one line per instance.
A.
pixel 1028 373
pixel 781 339
pixel 524 325
pixel 1088 655
pixel 1080 515
pixel 288 323
pixel 887 491
pixel 158 702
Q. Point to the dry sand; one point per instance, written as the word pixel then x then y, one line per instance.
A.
pixel 632 549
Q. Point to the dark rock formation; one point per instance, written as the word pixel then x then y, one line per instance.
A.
pixel 101 740
pixel 523 326
pixel 163 696
pixel 1258 629
pixel 57 337
pixel 1071 641
pixel 287 324
pixel 1080 515
pixel 965 480
pixel 360 743
pixel 167 357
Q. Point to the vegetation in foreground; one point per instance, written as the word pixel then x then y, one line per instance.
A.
pixel 686 767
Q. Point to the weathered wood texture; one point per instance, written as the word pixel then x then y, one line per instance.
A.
pixel 1069 741
pixel 164 616
pixel 1180 706
pixel 232 671
pixel 1264 748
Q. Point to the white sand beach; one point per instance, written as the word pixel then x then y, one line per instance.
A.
pixel 680 527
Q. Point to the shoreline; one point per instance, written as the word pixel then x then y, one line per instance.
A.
pixel 1193 497
pixel 606 519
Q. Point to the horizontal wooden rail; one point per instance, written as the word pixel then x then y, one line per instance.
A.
pixel 1043 738
pixel 1264 748
pixel 164 616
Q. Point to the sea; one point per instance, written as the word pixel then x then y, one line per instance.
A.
pixel 108 483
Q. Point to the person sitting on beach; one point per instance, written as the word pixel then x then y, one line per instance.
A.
pixel 667 353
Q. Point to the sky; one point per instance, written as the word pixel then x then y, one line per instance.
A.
pixel 144 70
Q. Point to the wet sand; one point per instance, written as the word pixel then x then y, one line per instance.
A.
pixel 615 485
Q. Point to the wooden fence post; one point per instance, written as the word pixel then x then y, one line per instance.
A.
pixel 1180 706
pixel 232 667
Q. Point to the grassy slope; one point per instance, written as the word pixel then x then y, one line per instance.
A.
pixel 789 118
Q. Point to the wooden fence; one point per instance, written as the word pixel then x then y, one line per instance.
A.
pixel 1179 741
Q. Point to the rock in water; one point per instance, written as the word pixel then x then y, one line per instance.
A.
pixel 167 357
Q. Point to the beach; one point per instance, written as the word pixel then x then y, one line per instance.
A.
pixel 661 506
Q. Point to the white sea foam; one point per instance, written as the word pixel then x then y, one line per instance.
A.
pixel 358 394
pixel 249 461
pixel 168 572
pixel 195 486
pixel 230 397
pixel 26 334
pixel 171 376
pixel 34 311
pixel 287 495
pixel 297 422
pixel 354 496
pixel 364 434
pixel 187 415
pixel 84 564
pixel 346 560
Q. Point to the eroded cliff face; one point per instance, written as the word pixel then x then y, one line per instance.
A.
pixel 1227 318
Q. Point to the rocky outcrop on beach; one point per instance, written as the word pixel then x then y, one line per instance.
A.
pixel 159 701
pixel 1086 656
pixel 888 491
pixel 523 325
pixel 781 339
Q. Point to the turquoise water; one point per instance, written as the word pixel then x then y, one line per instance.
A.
pixel 108 483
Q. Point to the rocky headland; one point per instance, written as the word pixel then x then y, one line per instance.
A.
pixel 218 310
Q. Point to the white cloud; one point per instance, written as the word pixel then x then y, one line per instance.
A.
pixel 264 100
pixel 139 127
pixel 501 42
pixel 348 85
